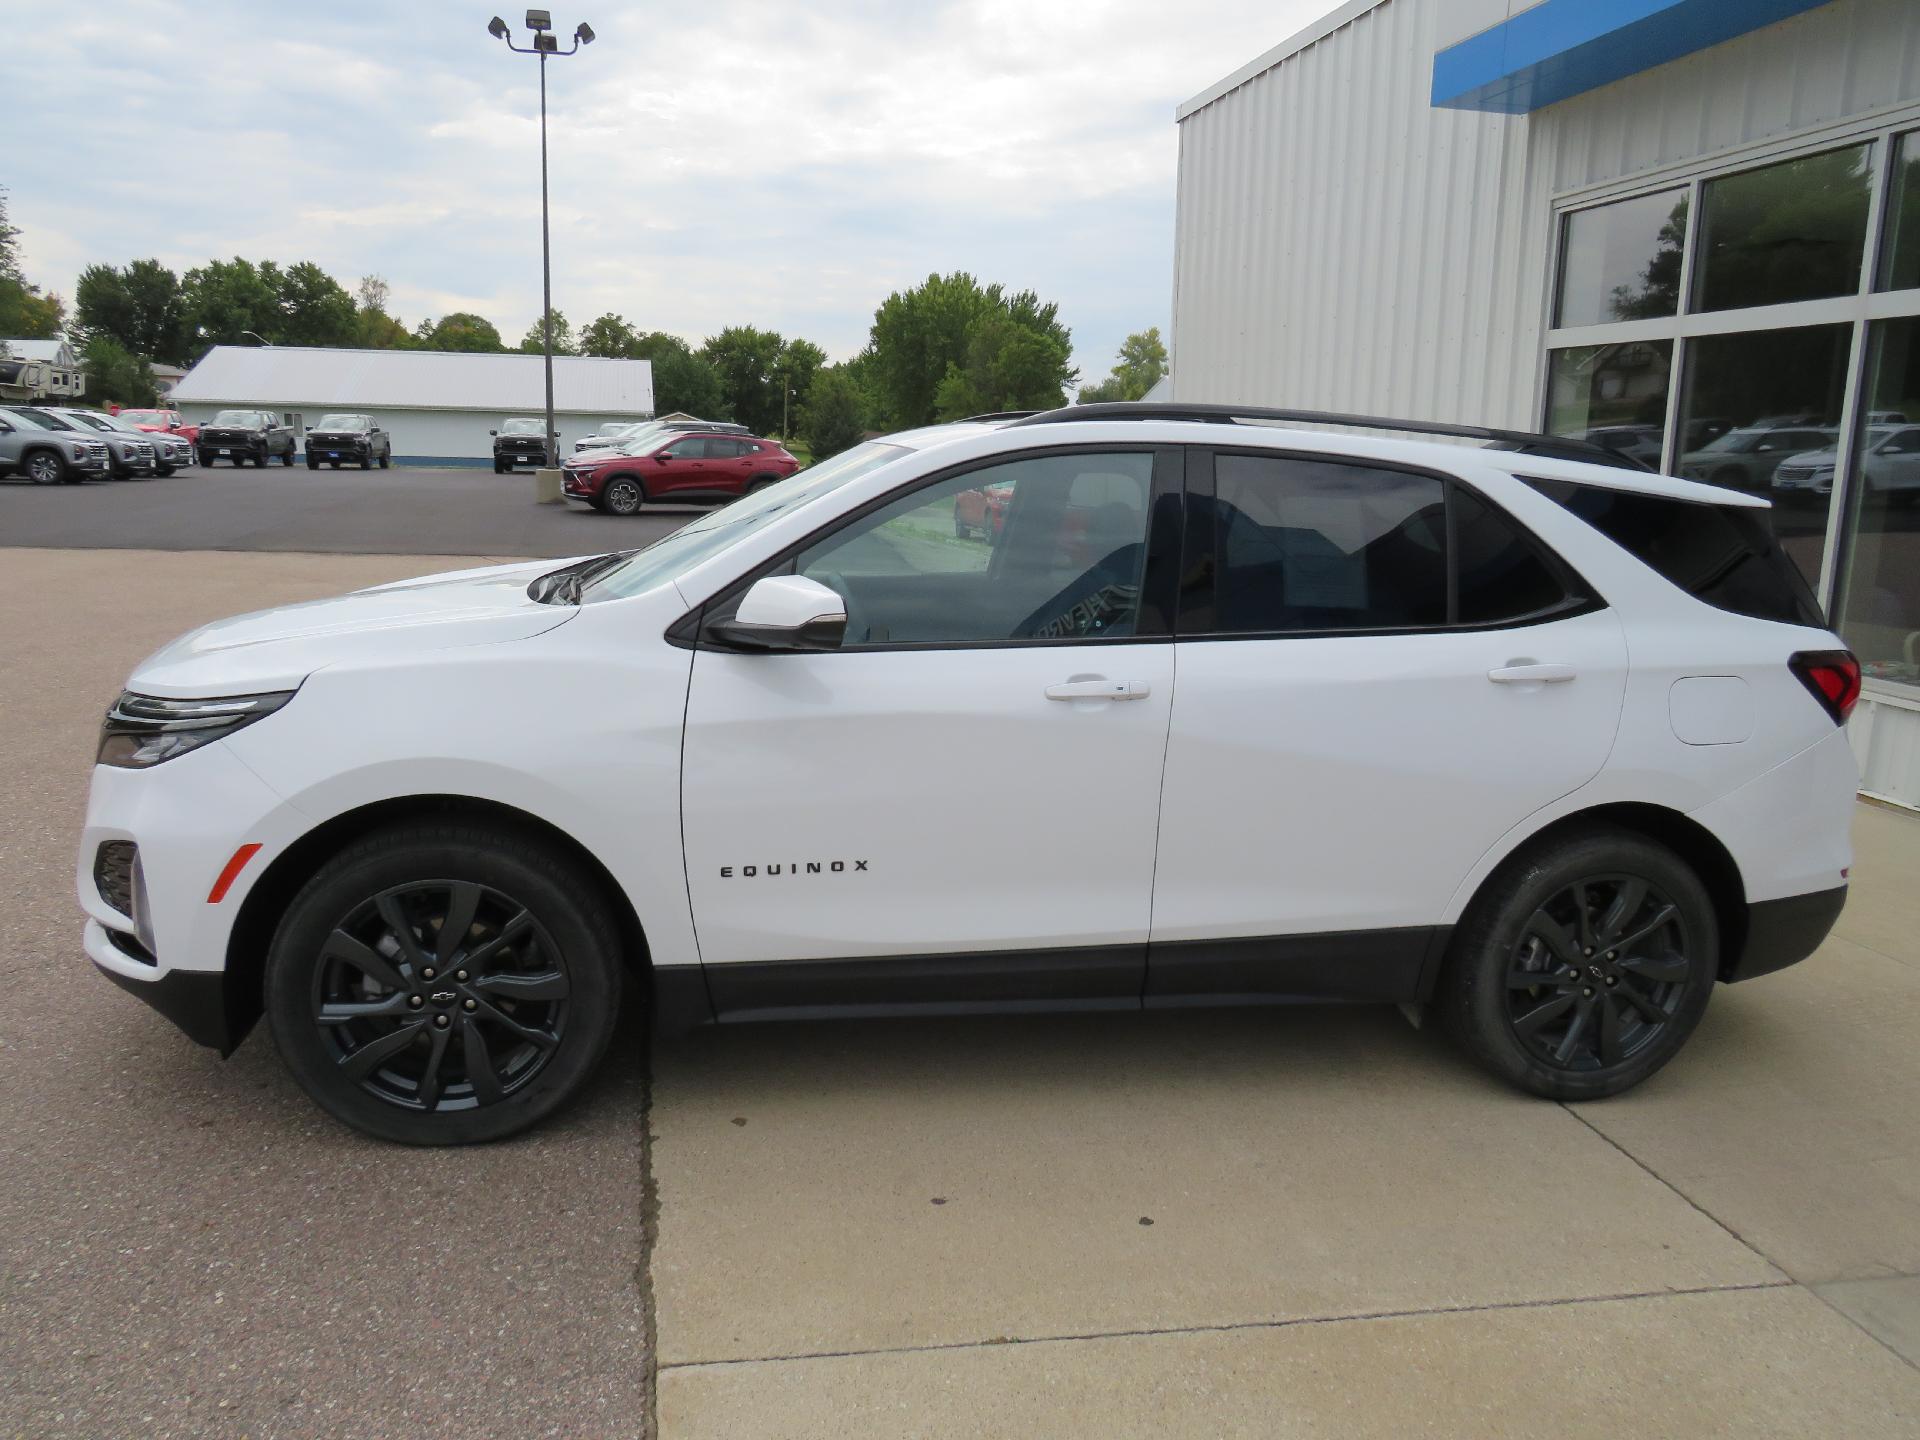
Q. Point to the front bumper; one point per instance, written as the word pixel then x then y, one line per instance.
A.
pixel 194 1000
pixel 515 457
pixel 578 485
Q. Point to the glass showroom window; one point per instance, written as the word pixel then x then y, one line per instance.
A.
pixel 1880 605
pixel 1792 231
pixel 1900 252
pixel 1615 395
pixel 1622 261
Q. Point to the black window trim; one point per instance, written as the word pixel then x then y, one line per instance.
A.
pixel 1201 551
pixel 1166 519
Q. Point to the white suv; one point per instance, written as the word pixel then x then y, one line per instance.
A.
pixel 1116 707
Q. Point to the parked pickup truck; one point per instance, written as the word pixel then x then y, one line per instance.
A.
pixel 246 435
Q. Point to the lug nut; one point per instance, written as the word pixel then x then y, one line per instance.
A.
pixel 472 1005
pixel 1588 992
pixel 415 1001
pixel 441 1021
pixel 1613 979
pixel 459 974
pixel 428 972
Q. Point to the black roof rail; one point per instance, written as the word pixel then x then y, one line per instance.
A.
pixel 996 415
pixel 1527 442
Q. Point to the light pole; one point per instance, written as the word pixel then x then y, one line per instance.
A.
pixel 545 43
pixel 261 338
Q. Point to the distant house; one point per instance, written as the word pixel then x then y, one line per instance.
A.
pixel 40 370
pixel 165 377
pixel 439 406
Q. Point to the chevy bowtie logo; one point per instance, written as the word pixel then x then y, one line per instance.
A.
pixel 793 867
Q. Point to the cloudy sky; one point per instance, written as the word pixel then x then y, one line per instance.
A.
pixel 727 162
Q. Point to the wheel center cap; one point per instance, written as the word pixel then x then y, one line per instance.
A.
pixel 1594 970
pixel 443 998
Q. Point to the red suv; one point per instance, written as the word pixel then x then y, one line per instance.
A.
pixel 160 422
pixel 697 469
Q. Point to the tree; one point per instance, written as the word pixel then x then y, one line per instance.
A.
pixel 373 327
pixel 141 307
pixel 609 337
pixel 115 375
pixel 748 364
pixel 462 330
pixel 800 363
pixel 683 382
pixel 1141 364
pixel 917 335
pixel 315 308
pixel 834 419
pixel 1009 366
pixel 534 341
pixel 25 312
pixel 224 299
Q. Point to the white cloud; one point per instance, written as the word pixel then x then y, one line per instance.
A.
pixel 740 161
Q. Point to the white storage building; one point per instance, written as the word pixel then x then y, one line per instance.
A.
pixel 437 405
pixel 1689 229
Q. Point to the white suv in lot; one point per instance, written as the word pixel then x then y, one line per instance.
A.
pixel 1210 713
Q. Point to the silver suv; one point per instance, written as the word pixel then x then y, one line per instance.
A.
pixel 128 456
pixel 46 455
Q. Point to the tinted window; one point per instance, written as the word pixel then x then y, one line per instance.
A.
pixel 1500 573
pixel 688 449
pixel 1900 262
pixel 1725 555
pixel 1792 231
pixel 1305 545
pixel 1048 548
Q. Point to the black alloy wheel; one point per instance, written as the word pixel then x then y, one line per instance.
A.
pixel 444 984
pixel 287 459
pixel 366 461
pixel 622 495
pixel 1600 971
pixel 441 994
pixel 386 458
pixel 1583 964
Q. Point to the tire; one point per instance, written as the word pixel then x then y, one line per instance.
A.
pixel 1552 1038
pixel 386 459
pixel 313 464
pixel 204 459
pixel 287 459
pixel 622 495
pixel 337 946
pixel 498 468
pixel 761 482
pixel 162 471
pixel 44 467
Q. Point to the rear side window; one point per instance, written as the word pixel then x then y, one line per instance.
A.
pixel 1290 544
pixel 1724 555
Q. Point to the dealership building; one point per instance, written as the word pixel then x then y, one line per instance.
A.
pixel 439 406
pixel 1688 229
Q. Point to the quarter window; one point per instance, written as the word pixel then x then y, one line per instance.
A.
pixel 1048 548
pixel 1500 574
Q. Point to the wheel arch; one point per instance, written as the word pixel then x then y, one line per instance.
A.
pixel 267 900
pixel 1693 842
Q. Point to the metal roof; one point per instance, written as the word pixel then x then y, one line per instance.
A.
pixel 49 350
pixel 276 376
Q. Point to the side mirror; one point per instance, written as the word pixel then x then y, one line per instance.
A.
pixel 661 457
pixel 493 432
pixel 785 612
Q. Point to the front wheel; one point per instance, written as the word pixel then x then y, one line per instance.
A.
pixel 1582 968
pixel 444 984
pixel 622 495
pixel 313 464
pixel 386 459
pixel 287 459
pixel 46 468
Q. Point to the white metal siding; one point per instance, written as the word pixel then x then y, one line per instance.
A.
pixel 1341 244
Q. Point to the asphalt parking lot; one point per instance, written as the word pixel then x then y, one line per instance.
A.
pixel 1308 1222
pixel 463 511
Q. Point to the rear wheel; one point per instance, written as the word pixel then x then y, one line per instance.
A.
pixel 443 984
pixel 1582 968
pixel 287 459
pixel 622 495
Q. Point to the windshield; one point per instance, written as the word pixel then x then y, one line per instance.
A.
pixel 100 422
pixel 146 417
pixel 520 427
pixel 620 428
pixel 21 417
pixel 342 422
pixel 708 536
pixel 48 420
pixel 238 417
pixel 1735 442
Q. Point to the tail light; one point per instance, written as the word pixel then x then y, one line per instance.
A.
pixel 1832 677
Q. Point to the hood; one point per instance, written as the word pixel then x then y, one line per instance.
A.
pixel 277 649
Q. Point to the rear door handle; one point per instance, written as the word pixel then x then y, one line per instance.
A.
pixel 1099 690
pixel 1531 675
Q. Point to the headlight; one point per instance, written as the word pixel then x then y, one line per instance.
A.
pixel 143 730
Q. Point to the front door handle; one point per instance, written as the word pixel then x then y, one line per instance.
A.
pixel 1531 675
pixel 1099 690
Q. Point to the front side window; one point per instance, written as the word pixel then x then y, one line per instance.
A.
pixel 1051 547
